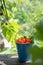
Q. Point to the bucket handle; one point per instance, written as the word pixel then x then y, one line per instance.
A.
pixel 16 35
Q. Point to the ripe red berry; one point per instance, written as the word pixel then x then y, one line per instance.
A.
pixel 28 40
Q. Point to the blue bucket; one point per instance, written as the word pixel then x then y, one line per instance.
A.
pixel 24 52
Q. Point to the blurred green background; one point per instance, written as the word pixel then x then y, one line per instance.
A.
pixel 16 15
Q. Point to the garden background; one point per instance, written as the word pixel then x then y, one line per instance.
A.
pixel 16 15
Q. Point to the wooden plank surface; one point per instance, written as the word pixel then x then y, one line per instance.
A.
pixel 11 59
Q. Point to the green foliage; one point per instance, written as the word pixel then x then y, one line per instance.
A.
pixel 9 30
pixel 28 12
pixel 39 30
pixel 36 53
